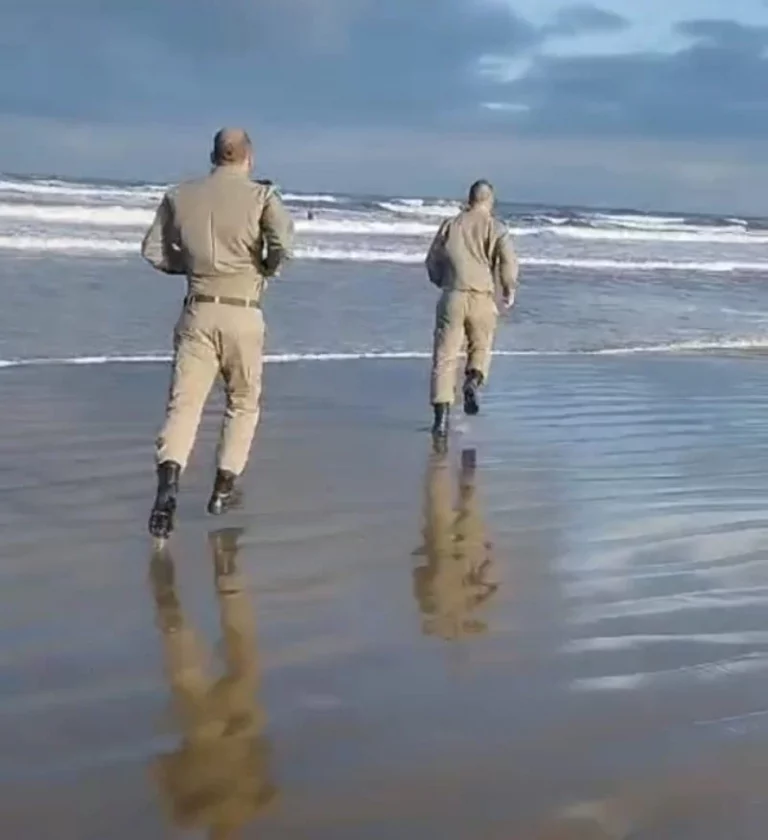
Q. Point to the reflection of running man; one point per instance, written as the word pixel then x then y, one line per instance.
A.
pixel 218 779
pixel 454 581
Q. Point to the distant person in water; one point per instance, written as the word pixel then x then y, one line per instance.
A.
pixel 228 235
pixel 470 261
pixel 310 215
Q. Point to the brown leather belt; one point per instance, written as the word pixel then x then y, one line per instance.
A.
pixel 229 301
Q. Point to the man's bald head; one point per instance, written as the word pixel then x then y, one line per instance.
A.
pixel 232 147
pixel 481 194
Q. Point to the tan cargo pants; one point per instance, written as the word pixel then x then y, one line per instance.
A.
pixel 461 316
pixel 212 339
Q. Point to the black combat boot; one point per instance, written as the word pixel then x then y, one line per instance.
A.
pixel 472 383
pixel 442 417
pixel 161 519
pixel 223 494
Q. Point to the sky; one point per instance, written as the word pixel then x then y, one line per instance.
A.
pixel 630 103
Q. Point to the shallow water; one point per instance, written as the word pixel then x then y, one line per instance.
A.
pixel 74 286
pixel 573 627
pixel 118 308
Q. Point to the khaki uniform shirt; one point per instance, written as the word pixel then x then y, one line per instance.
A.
pixel 472 253
pixel 225 232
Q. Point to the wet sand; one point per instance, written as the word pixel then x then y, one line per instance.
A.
pixel 559 631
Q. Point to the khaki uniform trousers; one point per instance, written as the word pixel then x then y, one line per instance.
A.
pixel 212 339
pixel 461 316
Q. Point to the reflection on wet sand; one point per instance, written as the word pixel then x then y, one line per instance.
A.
pixel 697 799
pixel 591 821
pixel 219 777
pixel 455 581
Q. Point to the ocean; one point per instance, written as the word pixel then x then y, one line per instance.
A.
pixel 607 281
pixel 556 630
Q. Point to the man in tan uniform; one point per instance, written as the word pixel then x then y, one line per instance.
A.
pixel 469 259
pixel 228 235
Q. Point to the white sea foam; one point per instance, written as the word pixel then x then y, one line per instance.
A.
pixel 150 192
pixel 418 207
pixel 117 216
pixel 362 227
pixel 301 198
pixel 374 255
pixel 32 244
pixel 699 235
pixel 715 266
pixel 55 188
pixel 364 255
pixel 693 346
pixel 113 216
pixel 638 221
pixel 68 245
pixel 51 216
pixel 54 201
pixel 79 214
pixel 743 345
pixel 150 358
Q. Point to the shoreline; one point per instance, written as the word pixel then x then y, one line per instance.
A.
pixel 675 350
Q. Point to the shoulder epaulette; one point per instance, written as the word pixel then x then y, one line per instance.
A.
pixel 272 188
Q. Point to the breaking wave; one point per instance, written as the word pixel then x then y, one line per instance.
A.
pixel 419 207
pixel 116 216
pixel 700 235
pixel 311 199
pixel 72 245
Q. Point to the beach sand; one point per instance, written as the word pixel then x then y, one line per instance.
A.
pixel 565 638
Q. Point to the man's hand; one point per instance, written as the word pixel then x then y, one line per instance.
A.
pixel 508 301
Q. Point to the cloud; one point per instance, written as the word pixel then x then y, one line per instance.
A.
pixel 297 61
pixel 347 63
pixel 372 95
pixel 294 61
pixel 584 18
pixel 711 88
pixel 726 33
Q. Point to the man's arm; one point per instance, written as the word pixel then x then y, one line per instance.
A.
pixel 506 268
pixel 161 247
pixel 277 231
pixel 436 256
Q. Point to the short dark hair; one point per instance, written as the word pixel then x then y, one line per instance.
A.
pixel 231 145
pixel 479 191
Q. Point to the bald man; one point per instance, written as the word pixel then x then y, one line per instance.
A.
pixel 228 235
pixel 470 261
